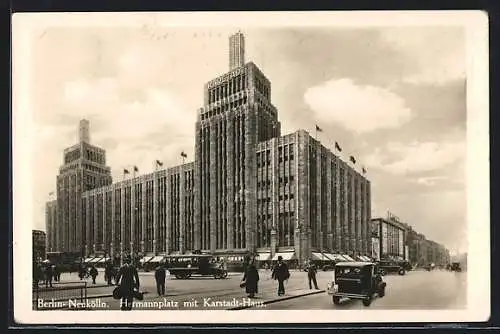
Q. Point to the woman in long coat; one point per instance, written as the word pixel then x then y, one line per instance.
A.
pixel 251 279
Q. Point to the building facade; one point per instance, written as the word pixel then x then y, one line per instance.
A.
pixel 51 225
pixel 390 238
pixel 39 245
pixel 84 168
pixel 248 190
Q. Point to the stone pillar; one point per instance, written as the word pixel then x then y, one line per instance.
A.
pixel 122 222
pixel 95 204
pixel 319 214
pixel 230 192
pixel 143 217
pixel 88 246
pixel 104 223
pixel 155 212
pixel 213 184
pixel 113 229
pixel 329 218
pixel 182 215
pixel 197 187
pixel 168 218
pixel 338 222
pixel 274 242
pixel 250 177
pixel 133 212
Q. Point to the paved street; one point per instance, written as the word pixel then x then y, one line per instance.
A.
pixel 204 292
pixel 416 290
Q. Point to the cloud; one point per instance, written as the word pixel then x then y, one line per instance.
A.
pixel 401 159
pixel 124 126
pixel 357 108
pixel 438 53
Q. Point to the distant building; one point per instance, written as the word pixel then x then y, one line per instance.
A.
pixel 51 225
pixel 388 238
pixel 84 168
pixel 39 245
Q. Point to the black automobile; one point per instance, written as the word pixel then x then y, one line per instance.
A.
pixel 356 280
pixel 387 267
pixel 185 266
pixel 455 266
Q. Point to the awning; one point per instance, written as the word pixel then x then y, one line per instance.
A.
pixel 286 256
pixel 367 259
pixel 156 259
pixel 349 258
pixel 263 256
pixel 320 257
pixel 145 259
pixel 103 259
pixel 95 260
pixel 87 260
pixel 338 257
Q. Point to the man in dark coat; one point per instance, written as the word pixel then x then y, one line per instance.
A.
pixel 311 274
pixel 127 280
pixel 251 279
pixel 281 273
pixel 160 276
pixel 108 272
pixel 49 274
pixel 93 273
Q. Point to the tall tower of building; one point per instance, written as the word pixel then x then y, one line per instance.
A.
pixel 84 168
pixel 236 116
pixel 236 50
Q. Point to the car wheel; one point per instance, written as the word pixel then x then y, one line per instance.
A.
pixel 367 301
pixel 336 300
pixel 382 272
pixel 402 272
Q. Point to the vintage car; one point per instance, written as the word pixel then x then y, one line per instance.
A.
pixel 356 280
pixel 386 267
pixel 455 266
pixel 185 266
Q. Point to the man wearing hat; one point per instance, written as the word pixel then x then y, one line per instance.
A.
pixel 281 273
pixel 127 281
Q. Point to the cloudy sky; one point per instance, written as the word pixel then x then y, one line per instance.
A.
pixel 392 97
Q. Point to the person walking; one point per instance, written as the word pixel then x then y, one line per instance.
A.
pixel 281 273
pixel 127 280
pixel 160 276
pixel 251 279
pixel 311 274
pixel 49 274
pixel 93 273
pixel 108 273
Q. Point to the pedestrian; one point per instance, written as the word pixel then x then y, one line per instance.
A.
pixel 127 280
pixel 311 274
pixel 160 276
pixel 37 274
pixel 48 276
pixel 251 279
pixel 93 273
pixel 57 273
pixel 108 273
pixel 281 273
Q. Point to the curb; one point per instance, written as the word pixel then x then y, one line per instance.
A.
pixel 315 292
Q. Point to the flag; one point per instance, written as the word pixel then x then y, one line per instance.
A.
pixel 159 163
pixel 352 159
pixel 337 147
pixel 125 171
pixel 184 155
pixel 318 129
pixel 136 169
pixel 364 170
